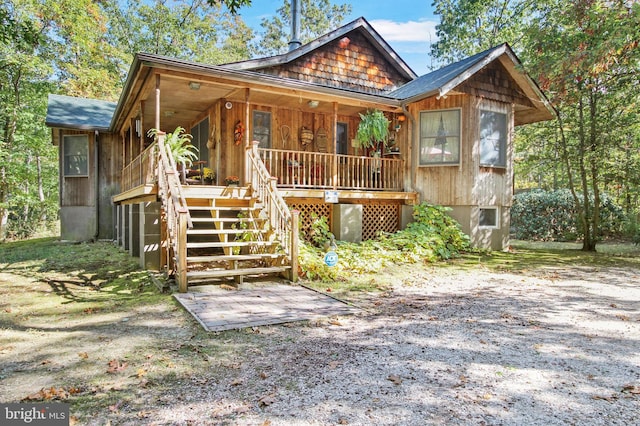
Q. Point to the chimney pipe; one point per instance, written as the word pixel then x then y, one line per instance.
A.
pixel 295 26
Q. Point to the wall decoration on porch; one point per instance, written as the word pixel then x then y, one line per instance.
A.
pixel 321 139
pixel 238 132
pixel 306 136
pixel 285 133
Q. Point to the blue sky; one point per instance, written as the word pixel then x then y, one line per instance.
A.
pixel 407 25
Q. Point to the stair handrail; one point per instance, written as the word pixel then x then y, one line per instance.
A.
pixel 281 219
pixel 176 211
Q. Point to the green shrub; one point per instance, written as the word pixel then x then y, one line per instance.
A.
pixel 433 236
pixel 552 216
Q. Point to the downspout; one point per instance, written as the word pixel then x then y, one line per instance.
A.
pixel 412 166
pixel 96 155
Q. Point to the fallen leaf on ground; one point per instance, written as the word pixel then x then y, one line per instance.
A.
pixel 266 423
pixel 116 366
pixel 335 322
pixel 263 375
pixel 236 382
pixel 395 379
pixel 631 389
pixel 141 372
pixel 83 355
pixel 605 398
pixel 267 400
pixel 46 394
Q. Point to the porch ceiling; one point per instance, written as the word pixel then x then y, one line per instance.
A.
pixel 181 105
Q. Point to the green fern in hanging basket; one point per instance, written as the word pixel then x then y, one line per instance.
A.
pixel 373 130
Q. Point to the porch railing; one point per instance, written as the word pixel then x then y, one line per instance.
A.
pixel 141 170
pixel 282 221
pixel 176 214
pixel 300 169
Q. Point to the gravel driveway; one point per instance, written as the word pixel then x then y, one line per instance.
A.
pixel 555 347
pixel 471 348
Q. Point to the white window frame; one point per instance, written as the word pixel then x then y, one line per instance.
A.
pixel 68 157
pixel 497 216
pixel 421 138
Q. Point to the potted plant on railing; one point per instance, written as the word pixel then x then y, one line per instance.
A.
pixel 232 180
pixel 209 175
pixel 179 145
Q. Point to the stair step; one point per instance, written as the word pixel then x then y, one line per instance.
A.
pixel 217 273
pixel 232 257
pixel 225 219
pixel 222 208
pixel 212 231
pixel 231 244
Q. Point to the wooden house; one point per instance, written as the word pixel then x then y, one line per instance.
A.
pixel 285 126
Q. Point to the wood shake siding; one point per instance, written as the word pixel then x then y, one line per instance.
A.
pixel 350 62
pixel 494 82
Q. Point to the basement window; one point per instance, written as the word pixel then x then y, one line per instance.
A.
pixel 75 150
pixel 488 218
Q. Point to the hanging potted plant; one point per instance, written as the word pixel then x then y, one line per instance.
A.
pixel 373 131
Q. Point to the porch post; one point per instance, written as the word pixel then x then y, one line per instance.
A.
pixel 295 218
pixel 247 111
pixel 157 123
pixel 334 172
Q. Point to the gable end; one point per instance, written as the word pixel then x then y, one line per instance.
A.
pixel 495 83
pixel 350 62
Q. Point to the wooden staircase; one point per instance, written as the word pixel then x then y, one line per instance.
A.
pixel 212 233
pixel 230 237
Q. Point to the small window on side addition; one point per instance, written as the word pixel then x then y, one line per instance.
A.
pixel 489 218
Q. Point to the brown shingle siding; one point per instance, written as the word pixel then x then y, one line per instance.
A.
pixel 351 63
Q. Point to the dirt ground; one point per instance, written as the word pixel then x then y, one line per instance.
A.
pixel 556 345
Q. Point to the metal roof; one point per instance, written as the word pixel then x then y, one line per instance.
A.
pixel 79 113
pixel 446 77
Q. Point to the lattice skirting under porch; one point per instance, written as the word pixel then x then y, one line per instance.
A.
pixel 376 217
pixel 379 217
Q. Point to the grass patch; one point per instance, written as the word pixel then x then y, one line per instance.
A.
pixel 527 255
